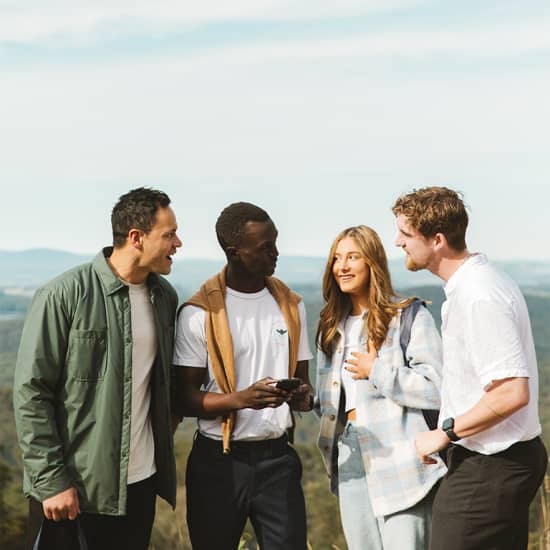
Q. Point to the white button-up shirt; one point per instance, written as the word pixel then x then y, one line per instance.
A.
pixel 487 336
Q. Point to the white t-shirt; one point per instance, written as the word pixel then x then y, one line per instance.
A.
pixel 354 331
pixel 487 336
pixel 260 348
pixel 144 350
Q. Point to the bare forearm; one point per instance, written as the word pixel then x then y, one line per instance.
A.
pixel 503 399
pixel 497 404
pixel 205 404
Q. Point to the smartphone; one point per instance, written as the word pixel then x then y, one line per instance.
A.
pixel 288 384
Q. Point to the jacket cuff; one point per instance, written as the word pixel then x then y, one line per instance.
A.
pixel 50 487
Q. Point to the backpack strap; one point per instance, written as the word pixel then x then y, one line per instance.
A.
pixel 408 316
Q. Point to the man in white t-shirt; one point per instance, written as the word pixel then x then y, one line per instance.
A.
pixel 239 335
pixel 489 405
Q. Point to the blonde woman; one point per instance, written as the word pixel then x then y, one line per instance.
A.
pixel 370 400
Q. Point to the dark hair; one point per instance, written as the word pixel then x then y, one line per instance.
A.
pixel 432 210
pixel 233 219
pixel 136 209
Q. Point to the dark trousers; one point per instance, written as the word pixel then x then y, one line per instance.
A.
pixel 259 480
pixel 101 532
pixel 483 501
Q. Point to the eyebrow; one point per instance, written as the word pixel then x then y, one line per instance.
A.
pixel 347 253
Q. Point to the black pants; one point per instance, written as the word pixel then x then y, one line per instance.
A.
pixel 101 532
pixel 483 501
pixel 259 480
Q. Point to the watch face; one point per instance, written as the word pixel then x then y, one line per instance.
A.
pixel 448 424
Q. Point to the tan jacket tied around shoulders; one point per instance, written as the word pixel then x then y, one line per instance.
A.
pixel 211 298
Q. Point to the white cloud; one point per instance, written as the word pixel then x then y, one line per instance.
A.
pixel 421 44
pixel 67 20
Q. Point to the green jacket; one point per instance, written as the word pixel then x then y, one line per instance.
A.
pixel 73 388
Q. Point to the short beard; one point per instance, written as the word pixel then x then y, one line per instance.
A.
pixel 411 265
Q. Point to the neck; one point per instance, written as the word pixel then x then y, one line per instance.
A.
pixel 243 281
pixel 126 267
pixel 448 265
pixel 359 304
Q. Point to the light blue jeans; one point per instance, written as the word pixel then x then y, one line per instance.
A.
pixel 405 530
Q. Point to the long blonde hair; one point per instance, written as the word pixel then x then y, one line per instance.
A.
pixel 382 303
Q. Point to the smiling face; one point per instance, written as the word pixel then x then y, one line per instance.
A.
pixel 257 250
pixel 161 243
pixel 419 249
pixel 350 270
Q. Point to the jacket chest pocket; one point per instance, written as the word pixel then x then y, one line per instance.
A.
pixel 87 354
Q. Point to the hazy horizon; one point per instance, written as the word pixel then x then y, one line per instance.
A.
pixel 179 257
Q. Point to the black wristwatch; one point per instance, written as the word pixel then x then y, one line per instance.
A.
pixel 448 427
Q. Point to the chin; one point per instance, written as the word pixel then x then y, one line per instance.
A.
pixel 348 289
pixel 411 265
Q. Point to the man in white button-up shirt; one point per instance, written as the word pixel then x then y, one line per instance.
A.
pixel 489 407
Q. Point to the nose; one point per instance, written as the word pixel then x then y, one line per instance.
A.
pixel 399 241
pixel 178 242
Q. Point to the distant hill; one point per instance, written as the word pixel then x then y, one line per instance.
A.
pixel 31 268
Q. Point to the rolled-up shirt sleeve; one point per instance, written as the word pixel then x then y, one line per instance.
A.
pixel 493 335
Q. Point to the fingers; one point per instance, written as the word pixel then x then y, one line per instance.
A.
pixel 74 510
pixel 62 506
pixel 267 385
pixel 58 513
pixel 300 391
pixel 267 380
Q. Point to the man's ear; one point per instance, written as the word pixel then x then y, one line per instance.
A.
pixel 439 241
pixel 135 238
pixel 232 253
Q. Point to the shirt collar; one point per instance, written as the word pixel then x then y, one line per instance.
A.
pixel 477 258
pixel 110 281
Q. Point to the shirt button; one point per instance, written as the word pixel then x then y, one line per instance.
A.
pixel 339 350
pixel 335 383
pixel 332 417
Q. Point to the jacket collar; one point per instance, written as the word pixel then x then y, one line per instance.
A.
pixel 110 281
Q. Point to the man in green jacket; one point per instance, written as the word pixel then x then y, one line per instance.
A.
pixel 91 390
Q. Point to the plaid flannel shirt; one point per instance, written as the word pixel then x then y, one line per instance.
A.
pixel 389 414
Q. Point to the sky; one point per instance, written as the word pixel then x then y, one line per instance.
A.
pixel 321 112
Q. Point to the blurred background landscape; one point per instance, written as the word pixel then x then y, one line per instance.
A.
pixel 22 272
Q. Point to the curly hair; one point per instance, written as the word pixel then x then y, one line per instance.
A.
pixel 433 210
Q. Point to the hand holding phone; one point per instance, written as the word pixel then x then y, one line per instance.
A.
pixel 288 384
